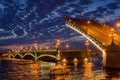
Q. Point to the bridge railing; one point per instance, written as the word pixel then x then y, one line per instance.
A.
pixel 83 31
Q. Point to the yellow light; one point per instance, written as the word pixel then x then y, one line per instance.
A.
pixel 88 22
pixel 112 29
pixel 86 42
pixel 114 34
pixel 13 50
pixel 67 46
pixel 110 35
pixel 118 24
pixel 21 48
pixel 104 57
pixel 86 59
pixel 58 40
pixel 47 47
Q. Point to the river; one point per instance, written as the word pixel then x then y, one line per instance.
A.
pixel 16 69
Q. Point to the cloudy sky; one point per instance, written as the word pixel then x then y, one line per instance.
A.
pixel 25 22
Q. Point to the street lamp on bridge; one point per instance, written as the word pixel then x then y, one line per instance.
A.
pixel 88 22
pixel 36 46
pixel 67 46
pixel 57 44
pixel 30 49
pixel 112 35
pixel 47 47
pixel 87 49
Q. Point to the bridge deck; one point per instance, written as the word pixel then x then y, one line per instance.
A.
pixel 98 31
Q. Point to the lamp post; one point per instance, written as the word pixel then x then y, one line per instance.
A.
pixel 75 61
pixel 47 47
pixel 35 51
pixel 21 49
pixel 36 46
pixel 30 49
pixel 58 52
pixel 57 45
pixel 112 35
pixel 64 62
pixel 88 22
pixel 87 49
pixel 58 58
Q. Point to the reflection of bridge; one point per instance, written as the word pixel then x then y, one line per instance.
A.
pixel 101 36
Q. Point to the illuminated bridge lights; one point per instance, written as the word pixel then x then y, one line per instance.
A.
pixel 95 32
pixel 34 55
pixel 70 24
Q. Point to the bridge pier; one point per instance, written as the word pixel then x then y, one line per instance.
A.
pixel 35 53
pixel 104 58
pixel 97 34
pixel 111 57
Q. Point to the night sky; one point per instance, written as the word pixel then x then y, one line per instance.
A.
pixel 25 22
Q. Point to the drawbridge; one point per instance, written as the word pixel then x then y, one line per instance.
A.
pixel 97 33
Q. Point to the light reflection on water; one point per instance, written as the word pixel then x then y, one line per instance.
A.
pixel 14 69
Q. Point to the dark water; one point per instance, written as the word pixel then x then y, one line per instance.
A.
pixel 14 69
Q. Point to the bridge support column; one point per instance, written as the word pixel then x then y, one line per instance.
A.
pixel 111 59
pixel 104 58
pixel 35 53
pixel 58 58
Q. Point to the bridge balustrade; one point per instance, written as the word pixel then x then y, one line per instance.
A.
pixel 34 55
pixel 83 32
pixel 87 35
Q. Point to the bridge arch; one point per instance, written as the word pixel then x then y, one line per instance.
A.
pixel 47 57
pixel 11 56
pixel 29 56
pixel 19 56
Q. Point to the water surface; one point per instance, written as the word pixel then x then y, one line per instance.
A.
pixel 16 69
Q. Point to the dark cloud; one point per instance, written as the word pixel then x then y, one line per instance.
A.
pixel 85 2
pixel 26 21
pixel 113 6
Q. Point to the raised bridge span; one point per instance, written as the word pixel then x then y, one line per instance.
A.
pixel 95 32
pixel 105 38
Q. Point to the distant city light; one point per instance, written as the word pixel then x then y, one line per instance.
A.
pixel 118 24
